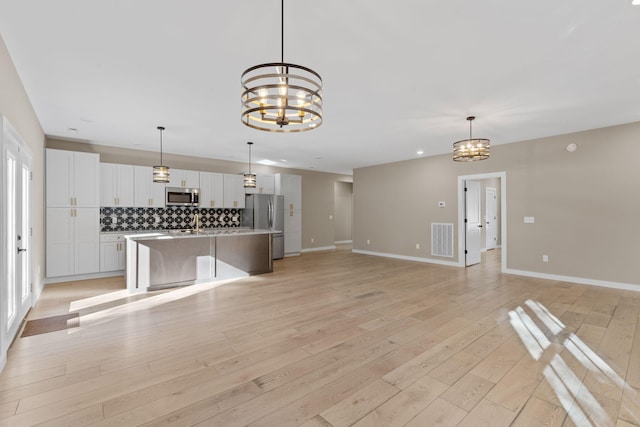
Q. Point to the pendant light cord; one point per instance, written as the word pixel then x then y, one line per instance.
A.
pixel 282 32
pixel 161 128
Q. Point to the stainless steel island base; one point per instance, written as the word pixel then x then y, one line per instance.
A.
pixel 161 260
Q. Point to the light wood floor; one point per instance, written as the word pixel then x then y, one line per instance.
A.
pixel 333 339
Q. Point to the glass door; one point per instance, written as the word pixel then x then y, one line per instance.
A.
pixel 16 231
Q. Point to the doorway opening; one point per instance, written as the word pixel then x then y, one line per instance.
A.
pixel 479 222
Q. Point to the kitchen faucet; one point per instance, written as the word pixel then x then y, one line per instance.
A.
pixel 196 221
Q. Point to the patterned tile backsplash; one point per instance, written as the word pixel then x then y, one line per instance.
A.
pixel 131 219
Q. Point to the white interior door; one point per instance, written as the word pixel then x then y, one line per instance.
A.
pixel 491 218
pixel 16 231
pixel 473 221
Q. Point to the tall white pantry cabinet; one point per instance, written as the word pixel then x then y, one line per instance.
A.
pixel 73 213
pixel 290 186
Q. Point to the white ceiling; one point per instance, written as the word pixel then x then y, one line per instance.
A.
pixel 399 76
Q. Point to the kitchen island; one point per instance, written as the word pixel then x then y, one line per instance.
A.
pixel 184 257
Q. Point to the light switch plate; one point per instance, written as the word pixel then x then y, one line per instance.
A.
pixel 529 220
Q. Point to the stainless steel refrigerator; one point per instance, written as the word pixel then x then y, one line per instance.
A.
pixel 266 212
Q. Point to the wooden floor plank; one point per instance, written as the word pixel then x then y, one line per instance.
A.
pixel 332 339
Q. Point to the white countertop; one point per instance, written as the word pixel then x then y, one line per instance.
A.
pixel 182 234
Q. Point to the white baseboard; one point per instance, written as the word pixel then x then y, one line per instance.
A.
pixel 407 258
pixel 340 242
pixel 292 254
pixel 77 277
pixel 579 280
pixel 322 248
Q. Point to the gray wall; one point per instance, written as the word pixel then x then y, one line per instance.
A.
pixel 584 203
pixel 343 210
pixel 317 188
pixel 16 107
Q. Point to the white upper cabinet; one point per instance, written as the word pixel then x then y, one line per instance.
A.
pixel 290 186
pixel 265 184
pixel 211 190
pixel 147 194
pixel 73 179
pixel 233 191
pixel 116 185
pixel 184 178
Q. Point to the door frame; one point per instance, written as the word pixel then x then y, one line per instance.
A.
pixel 487 191
pixel 503 214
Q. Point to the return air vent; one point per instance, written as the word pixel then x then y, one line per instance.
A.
pixel 442 240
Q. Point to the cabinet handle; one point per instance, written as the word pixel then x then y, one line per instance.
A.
pixel 118 198
pixel 148 202
pixel 235 204
pixel 71 212
pixel 290 213
pixel 75 202
pixel 211 203
pixel 260 190
pixel 291 206
pixel 71 201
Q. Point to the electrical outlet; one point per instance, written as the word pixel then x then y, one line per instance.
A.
pixel 417 245
pixel 545 258
pixel 312 240
pixel 368 241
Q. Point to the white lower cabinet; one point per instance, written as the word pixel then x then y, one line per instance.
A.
pixel 112 252
pixel 292 232
pixel 73 241
pixel 290 186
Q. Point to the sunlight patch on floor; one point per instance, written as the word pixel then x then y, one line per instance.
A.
pixel 102 316
pixel 580 404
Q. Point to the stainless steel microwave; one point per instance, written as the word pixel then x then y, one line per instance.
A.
pixel 178 196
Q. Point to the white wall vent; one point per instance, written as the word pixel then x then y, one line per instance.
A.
pixel 442 240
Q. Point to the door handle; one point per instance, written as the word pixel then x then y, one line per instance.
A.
pixel 480 225
pixel 22 250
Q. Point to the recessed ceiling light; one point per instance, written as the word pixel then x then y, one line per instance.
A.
pixel 267 162
pixel 636 2
pixel 420 152
pixel 283 160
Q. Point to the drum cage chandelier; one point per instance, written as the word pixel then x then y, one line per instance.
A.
pixel 249 180
pixel 161 173
pixel 281 97
pixel 472 149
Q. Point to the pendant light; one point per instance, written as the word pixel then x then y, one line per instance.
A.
pixel 472 149
pixel 249 178
pixel 161 173
pixel 281 97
